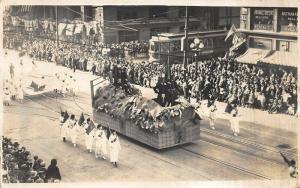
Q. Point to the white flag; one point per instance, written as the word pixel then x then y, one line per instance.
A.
pixel 78 28
pixel 230 32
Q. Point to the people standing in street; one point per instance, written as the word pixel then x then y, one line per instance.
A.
pixel 235 123
pixel 114 148
pixel 89 134
pixel 101 142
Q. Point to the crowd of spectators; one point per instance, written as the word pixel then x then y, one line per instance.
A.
pixel 267 87
pixel 19 167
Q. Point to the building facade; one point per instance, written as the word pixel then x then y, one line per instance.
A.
pixel 270 28
pixel 128 23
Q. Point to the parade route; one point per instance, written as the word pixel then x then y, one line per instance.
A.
pixel 218 155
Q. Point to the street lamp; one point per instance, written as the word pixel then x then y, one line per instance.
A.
pixel 197 46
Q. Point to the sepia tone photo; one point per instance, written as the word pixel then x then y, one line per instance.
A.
pixel 149 93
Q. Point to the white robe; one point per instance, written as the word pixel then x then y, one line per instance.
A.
pixel 212 118
pixel 20 94
pixel 235 124
pixel 64 130
pixel 101 143
pixel 74 132
pixel 89 138
pixel 114 148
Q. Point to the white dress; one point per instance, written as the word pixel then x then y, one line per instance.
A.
pixel 20 94
pixel 74 132
pixel 114 148
pixel 101 143
pixel 65 129
pixel 89 138
pixel 235 124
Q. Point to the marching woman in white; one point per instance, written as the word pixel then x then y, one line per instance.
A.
pixel 89 134
pixel 64 127
pixel 212 116
pixel 114 148
pixel 101 142
pixel 73 129
pixel 6 97
pixel 235 123
pixel 20 94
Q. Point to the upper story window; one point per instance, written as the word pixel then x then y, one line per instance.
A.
pixel 158 12
pixel 125 13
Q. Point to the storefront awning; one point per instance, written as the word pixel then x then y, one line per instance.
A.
pixel 281 58
pixel 252 56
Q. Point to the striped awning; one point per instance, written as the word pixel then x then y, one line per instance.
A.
pixel 281 58
pixel 252 56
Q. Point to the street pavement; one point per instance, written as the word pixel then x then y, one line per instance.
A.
pixel 218 155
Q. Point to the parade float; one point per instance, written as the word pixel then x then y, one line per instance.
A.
pixel 131 114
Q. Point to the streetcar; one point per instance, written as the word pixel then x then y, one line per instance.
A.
pixel 167 46
pixel 180 128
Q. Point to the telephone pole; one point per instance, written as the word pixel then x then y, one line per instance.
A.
pixel 185 49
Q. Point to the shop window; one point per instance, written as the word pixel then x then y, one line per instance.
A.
pixel 288 19
pixel 262 19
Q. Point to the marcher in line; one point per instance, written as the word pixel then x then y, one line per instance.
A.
pixel 73 129
pixel 235 123
pixel 6 97
pixel 114 148
pixel 212 116
pixel 64 127
pixel 101 142
pixel 90 130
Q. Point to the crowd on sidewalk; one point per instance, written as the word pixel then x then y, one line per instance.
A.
pixel 266 87
pixel 18 166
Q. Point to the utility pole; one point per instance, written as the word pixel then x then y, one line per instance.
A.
pixel 56 20
pixel 83 20
pixel 185 49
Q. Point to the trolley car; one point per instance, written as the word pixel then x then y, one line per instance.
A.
pixel 178 131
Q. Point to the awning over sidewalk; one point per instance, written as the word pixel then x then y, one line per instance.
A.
pixel 252 56
pixel 281 58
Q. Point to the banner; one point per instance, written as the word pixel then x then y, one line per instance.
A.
pixel 88 28
pixel 61 28
pixel 230 32
pixel 78 28
pixel 70 29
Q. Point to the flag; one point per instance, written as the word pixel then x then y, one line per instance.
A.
pixel 230 32
pixel 70 29
pixel 61 28
pixel 78 28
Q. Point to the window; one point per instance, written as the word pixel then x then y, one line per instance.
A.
pixel 158 12
pixel 125 13
pixel 288 19
pixel 262 19
pixel 229 16
pixel 156 31
pixel 127 36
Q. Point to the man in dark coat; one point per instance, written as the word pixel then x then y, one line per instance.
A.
pixel 52 172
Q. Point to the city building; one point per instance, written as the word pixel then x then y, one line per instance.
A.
pixel 143 22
